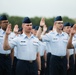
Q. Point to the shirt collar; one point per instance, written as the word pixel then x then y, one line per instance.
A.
pixel 2 31
pixel 25 36
pixel 56 33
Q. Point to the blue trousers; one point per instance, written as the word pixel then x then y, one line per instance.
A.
pixel 71 64
pixel 5 64
pixel 26 68
pixel 58 65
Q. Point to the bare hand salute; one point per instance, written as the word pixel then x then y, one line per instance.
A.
pixel 6 44
pixel 74 27
pixel 8 30
pixel 43 25
pixel 42 22
pixel 44 28
pixel 16 29
pixel 73 31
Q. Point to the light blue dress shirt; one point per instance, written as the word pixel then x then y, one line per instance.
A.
pixel 15 48
pixel 2 34
pixel 42 48
pixel 58 42
pixel 27 48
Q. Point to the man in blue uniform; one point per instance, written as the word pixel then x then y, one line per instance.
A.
pixel 27 50
pixel 58 43
pixel 72 39
pixel 5 59
pixel 70 52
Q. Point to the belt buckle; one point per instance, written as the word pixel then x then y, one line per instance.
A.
pixel 30 61
pixel 6 54
pixel 61 57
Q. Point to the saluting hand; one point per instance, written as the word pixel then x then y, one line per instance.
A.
pixel 45 28
pixel 8 30
pixel 42 22
pixel 74 27
pixel 15 28
pixel 73 30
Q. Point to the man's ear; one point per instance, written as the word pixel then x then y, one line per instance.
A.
pixel 54 23
pixel 22 25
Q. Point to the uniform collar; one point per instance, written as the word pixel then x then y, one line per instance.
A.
pixel 2 31
pixel 25 36
pixel 56 33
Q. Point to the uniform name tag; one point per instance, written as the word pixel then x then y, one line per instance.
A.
pixel 23 41
pixel 54 39
pixel 1 36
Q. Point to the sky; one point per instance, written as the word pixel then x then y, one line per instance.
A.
pixel 39 8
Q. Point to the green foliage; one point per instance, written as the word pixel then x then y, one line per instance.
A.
pixel 15 20
pixel 35 20
pixel 66 19
pixel 4 14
